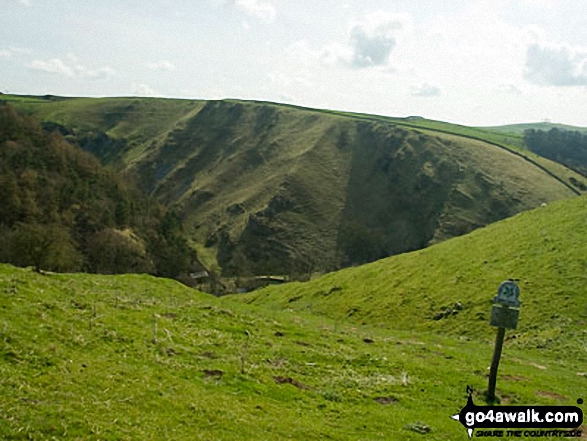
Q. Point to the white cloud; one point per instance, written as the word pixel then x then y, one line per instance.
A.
pixel 20 50
pixel 26 3
pixel 141 89
pixel 72 68
pixel 333 53
pixel 303 55
pixel 425 90
pixel 161 65
pixel 373 38
pixel 11 51
pixel 53 65
pixel 556 65
pixel 212 94
pixel 288 99
pixel 264 10
pixel 371 41
pixel 289 80
pixel 544 4
pixel 96 74
pixel 472 50
pixel 532 34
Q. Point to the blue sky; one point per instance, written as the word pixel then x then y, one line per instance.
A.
pixel 475 62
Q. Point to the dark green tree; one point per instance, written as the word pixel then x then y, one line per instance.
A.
pixel 44 247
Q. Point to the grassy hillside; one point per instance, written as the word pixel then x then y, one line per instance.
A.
pixel 133 357
pixel 271 188
pixel 521 128
pixel 545 249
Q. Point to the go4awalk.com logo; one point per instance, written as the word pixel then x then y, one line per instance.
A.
pixel 520 421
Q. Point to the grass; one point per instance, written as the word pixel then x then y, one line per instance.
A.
pixel 352 355
pixel 518 129
pixel 79 360
pixel 509 140
pixel 508 137
pixel 274 188
pixel 142 120
pixel 545 249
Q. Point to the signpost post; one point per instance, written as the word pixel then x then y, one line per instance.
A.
pixel 504 314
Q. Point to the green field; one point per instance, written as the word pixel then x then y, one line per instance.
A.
pixel 545 126
pixel 79 360
pixel 353 355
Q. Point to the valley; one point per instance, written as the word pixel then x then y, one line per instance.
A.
pixel 242 220
pixel 263 188
pixel 382 350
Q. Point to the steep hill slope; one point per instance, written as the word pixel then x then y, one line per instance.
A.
pixel 545 249
pixel 134 357
pixel 280 189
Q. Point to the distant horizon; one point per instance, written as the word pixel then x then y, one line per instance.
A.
pixel 558 123
pixel 480 63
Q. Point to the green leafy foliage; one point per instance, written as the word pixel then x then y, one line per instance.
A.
pixel 63 211
pixel 109 249
pixel 567 147
pixel 42 246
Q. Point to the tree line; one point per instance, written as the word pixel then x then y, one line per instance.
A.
pixel 564 146
pixel 61 210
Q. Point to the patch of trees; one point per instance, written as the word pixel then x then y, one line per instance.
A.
pixel 61 210
pixel 564 146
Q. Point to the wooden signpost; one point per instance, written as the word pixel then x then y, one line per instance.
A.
pixel 504 314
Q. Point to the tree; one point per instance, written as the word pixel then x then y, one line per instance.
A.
pixel 113 252
pixel 11 205
pixel 564 146
pixel 44 247
pixel 57 201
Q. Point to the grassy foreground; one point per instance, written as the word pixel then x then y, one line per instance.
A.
pixel 134 357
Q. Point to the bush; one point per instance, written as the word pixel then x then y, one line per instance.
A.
pixel 44 247
pixel 114 252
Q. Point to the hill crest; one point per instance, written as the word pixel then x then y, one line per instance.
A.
pixel 268 188
pixel 545 250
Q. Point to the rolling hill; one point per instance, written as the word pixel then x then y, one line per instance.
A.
pixel 356 354
pixel 545 126
pixel 134 357
pixel 448 288
pixel 266 188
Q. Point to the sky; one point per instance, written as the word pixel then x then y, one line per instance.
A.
pixel 472 62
